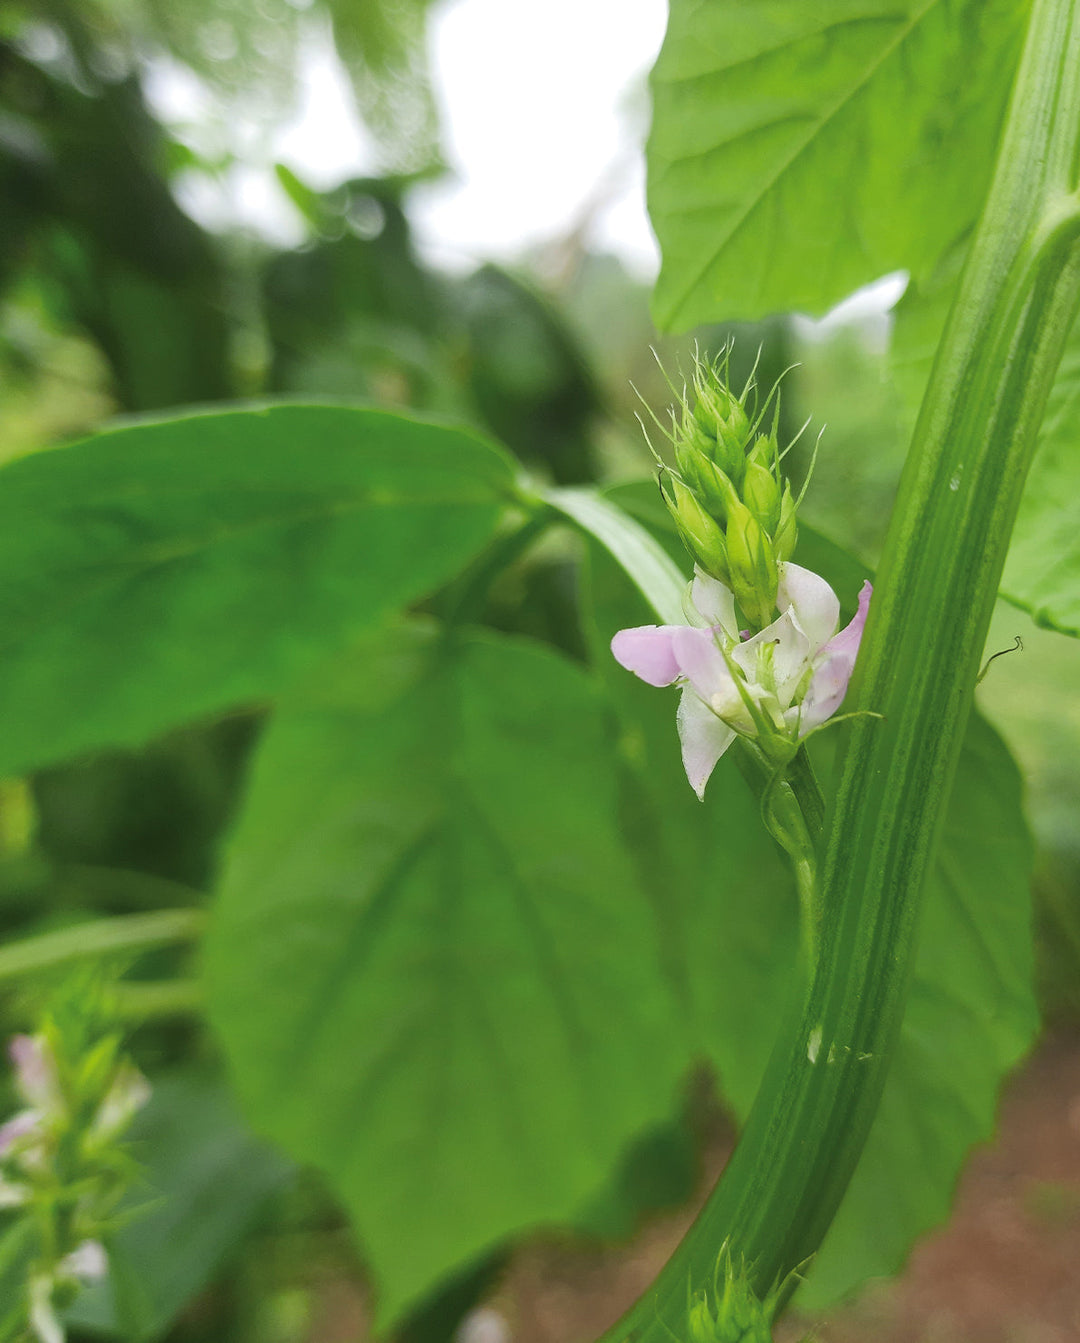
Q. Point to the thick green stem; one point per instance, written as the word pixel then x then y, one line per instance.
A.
pixel 928 620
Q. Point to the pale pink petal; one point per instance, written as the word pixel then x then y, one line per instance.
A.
pixel 647 652
pixel 18 1126
pixel 35 1075
pixel 790 656
pixel 704 739
pixel 816 606
pixel 833 668
pixel 700 660
pixel 713 602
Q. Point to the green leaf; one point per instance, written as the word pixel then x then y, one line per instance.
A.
pixel 1042 569
pixel 165 570
pixel 799 151
pixel 728 917
pixel 971 1017
pixel 205 1181
pixel 467 1024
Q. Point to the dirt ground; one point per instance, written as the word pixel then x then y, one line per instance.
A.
pixel 1006 1268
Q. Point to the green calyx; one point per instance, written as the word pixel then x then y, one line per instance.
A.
pixel 735 1314
pixel 734 510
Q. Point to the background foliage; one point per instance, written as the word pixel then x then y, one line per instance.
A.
pixel 501 934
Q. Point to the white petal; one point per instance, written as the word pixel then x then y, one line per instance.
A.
pixel 816 606
pixel 35 1072
pixel 704 740
pixel 833 668
pixel 714 603
pixel 701 662
pixel 88 1262
pixel 791 656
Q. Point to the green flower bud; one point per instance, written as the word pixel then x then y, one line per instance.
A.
pixel 699 1320
pixel 701 534
pixel 723 417
pixel 786 533
pixel 752 564
pixel 763 452
pixel 761 491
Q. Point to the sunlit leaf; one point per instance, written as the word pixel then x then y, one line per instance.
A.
pixel 799 151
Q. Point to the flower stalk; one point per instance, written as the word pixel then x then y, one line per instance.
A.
pixel 937 583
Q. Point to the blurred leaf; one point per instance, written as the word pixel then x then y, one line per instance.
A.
pixel 205 1183
pixel 529 376
pixel 162 571
pixel 971 1015
pixel 120 256
pixel 468 1023
pixel 799 151
pixel 1042 570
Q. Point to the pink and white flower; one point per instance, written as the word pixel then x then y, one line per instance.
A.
pixel 791 676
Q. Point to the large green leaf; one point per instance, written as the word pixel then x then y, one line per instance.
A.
pixel 728 924
pixel 165 570
pixel 431 966
pixel 801 150
pixel 1042 570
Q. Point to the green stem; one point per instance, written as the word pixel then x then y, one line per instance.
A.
pixel 127 933
pixel 928 620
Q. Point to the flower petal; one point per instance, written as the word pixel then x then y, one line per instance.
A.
pixel 833 667
pixel 35 1072
pixel 791 656
pixel 714 603
pixel 18 1126
pixel 88 1262
pixel 816 606
pixel 647 652
pixel 700 660
pixel 704 739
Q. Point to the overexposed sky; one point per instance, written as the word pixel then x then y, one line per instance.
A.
pixel 543 112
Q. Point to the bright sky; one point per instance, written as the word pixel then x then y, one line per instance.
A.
pixel 544 113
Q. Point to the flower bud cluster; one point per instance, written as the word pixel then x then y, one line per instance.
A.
pixel 61 1162
pixel 730 502
pixel 736 1314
